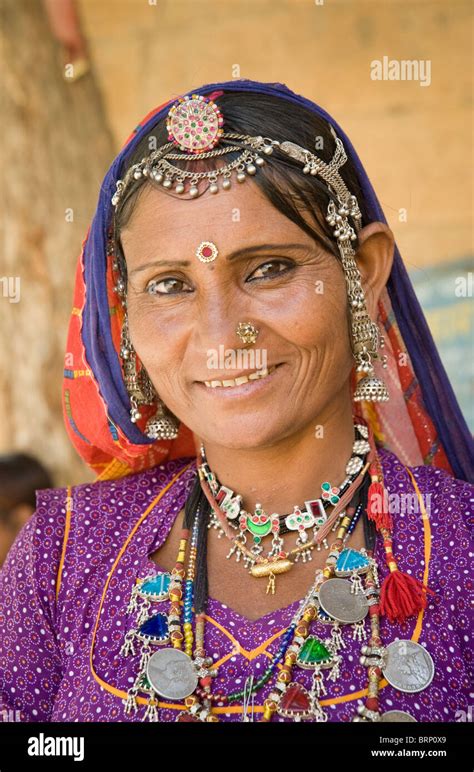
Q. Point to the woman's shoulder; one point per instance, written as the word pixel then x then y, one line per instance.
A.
pixel 98 496
pixel 432 514
pixel 67 519
pixel 447 502
pixel 426 477
pixel 156 478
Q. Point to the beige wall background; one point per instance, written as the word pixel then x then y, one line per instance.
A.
pixel 414 140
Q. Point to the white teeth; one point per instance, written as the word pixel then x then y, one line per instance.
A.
pixel 241 379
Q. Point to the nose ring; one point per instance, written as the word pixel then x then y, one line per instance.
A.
pixel 247 332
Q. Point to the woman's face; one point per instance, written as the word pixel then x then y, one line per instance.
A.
pixel 268 272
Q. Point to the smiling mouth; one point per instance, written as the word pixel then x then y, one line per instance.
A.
pixel 232 382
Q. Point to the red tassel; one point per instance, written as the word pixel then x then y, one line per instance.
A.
pixel 402 596
pixel 376 501
pixel 372 703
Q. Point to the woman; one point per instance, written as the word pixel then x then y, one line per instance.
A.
pixel 276 532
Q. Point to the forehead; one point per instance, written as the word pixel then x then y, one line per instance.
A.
pixel 230 218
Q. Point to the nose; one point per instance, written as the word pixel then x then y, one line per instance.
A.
pixel 220 308
pixel 218 322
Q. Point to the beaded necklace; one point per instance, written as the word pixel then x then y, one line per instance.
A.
pixel 336 597
pixel 258 525
pixel 282 561
pixel 180 585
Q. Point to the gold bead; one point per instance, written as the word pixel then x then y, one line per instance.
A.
pixel 270 704
pixel 267 714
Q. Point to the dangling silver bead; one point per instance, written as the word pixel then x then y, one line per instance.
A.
pixel 214 187
pixel 260 161
pixel 241 177
pixel 193 191
pixel 135 414
pixel 168 183
pixel 179 188
pixel 226 184
pixel 251 169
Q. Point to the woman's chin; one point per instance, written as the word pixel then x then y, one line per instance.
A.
pixel 247 431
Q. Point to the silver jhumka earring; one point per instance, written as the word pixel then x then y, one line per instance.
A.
pixel 161 426
pixel 142 392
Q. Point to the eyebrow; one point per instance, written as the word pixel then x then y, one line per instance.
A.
pixel 235 255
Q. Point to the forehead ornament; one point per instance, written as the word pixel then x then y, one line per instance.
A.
pixel 194 124
pixel 206 251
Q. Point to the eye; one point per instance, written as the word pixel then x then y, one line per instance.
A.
pixel 271 269
pixel 168 286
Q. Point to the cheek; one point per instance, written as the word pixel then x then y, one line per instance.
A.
pixel 319 319
pixel 155 336
pixel 324 339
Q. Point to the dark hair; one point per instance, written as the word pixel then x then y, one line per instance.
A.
pixel 20 476
pixel 281 179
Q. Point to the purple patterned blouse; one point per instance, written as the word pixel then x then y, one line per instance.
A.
pixel 66 583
